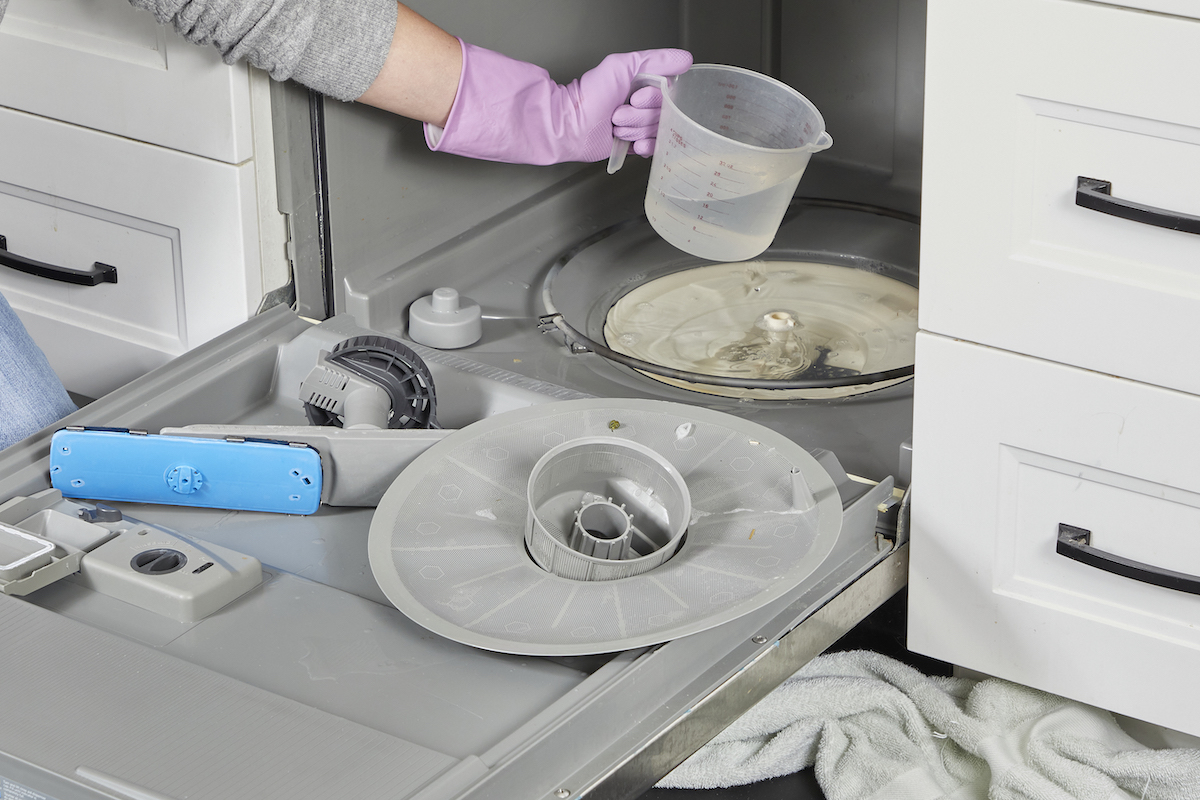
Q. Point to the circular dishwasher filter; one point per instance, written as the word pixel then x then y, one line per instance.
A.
pixel 732 515
pixel 777 320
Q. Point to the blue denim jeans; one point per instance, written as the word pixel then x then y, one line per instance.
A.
pixel 31 395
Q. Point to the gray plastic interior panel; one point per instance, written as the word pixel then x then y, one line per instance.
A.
pixel 504 266
pixel 214 722
pixel 315 662
pixel 863 65
pixel 405 222
pixel 418 199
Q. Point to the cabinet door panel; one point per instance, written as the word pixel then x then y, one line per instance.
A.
pixel 1007 447
pixel 95 336
pixel 1014 119
pixel 1127 518
pixel 178 229
pixel 103 64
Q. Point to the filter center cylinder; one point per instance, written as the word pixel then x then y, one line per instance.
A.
pixel 603 508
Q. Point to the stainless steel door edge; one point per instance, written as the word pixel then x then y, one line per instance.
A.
pixel 716 710
pixel 627 735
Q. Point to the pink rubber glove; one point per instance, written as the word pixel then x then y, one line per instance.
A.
pixel 512 111
pixel 637 122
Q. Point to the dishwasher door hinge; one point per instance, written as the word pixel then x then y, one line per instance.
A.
pixel 284 295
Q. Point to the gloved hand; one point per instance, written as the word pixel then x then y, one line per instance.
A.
pixel 637 121
pixel 512 111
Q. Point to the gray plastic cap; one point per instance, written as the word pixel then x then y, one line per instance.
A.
pixel 445 320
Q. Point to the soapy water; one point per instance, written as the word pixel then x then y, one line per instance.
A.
pixel 772 320
pixel 772 349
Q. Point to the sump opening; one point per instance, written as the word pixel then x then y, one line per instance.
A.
pixel 604 508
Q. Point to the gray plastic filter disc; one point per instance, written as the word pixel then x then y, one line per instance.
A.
pixel 447 540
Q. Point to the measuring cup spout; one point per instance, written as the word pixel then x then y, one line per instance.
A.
pixel 824 142
pixel 620 147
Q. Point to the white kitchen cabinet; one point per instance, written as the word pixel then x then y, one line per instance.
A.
pixel 179 230
pixel 106 65
pixel 1057 384
pixel 124 144
pixel 1006 448
pixel 1025 97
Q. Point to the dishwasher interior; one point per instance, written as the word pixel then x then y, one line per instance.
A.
pixel 334 652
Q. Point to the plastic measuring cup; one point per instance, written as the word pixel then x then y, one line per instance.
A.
pixel 732 145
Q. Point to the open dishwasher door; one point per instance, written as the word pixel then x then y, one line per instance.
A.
pixel 261 655
pixel 309 682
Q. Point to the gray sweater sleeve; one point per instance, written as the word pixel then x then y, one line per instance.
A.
pixel 334 46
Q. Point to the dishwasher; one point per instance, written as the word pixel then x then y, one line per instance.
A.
pixel 426 632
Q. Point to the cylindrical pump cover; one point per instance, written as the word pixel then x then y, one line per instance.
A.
pixel 576 479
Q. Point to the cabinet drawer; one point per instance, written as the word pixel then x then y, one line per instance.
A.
pixel 181 232
pixel 1008 257
pixel 1006 449
pixel 106 65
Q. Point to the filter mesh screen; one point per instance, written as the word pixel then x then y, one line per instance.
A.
pixel 833 320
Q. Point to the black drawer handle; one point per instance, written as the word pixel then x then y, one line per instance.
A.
pixel 99 273
pixel 1075 543
pixel 1097 195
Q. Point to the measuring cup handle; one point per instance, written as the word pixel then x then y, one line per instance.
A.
pixel 620 147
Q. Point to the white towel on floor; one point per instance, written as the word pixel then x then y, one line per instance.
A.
pixel 876 729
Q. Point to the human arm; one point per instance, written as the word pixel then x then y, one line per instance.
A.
pixel 474 102
pixel 483 104
pixel 513 111
pixel 337 47
pixel 419 78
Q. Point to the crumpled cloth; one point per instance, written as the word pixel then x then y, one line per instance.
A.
pixel 875 728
